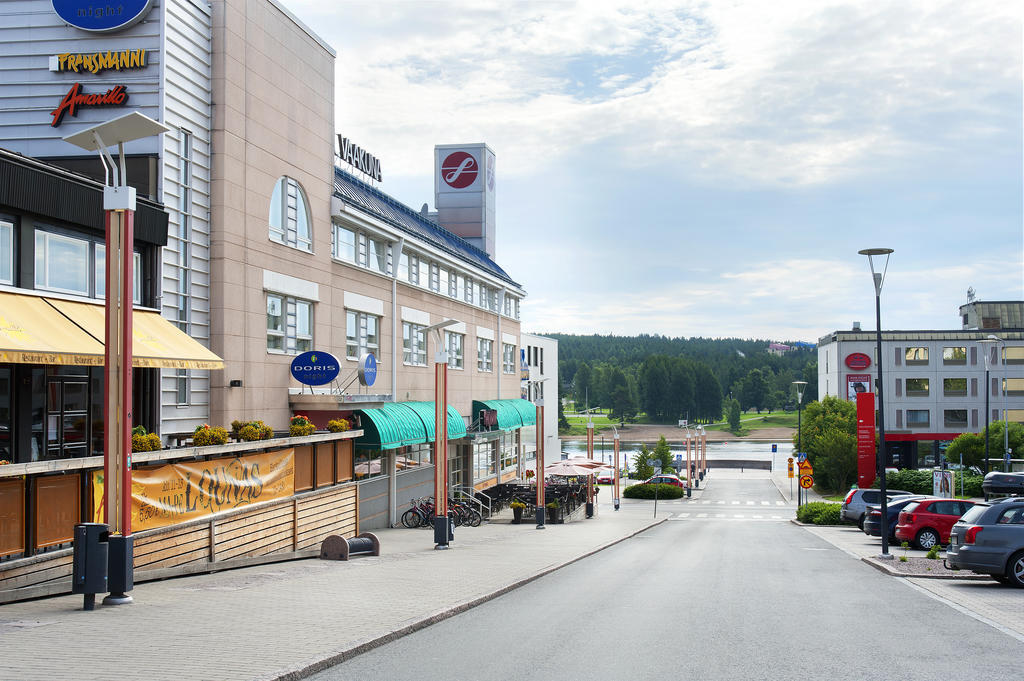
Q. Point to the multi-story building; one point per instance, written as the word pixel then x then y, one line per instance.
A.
pixel 936 383
pixel 540 358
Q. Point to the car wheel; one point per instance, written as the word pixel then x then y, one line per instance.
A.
pixel 1015 570
pixel 926 539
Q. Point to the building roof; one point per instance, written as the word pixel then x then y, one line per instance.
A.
pixel 355 192
pixel 934 335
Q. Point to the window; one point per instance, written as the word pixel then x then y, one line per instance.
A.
pixel 442 281
pixel 6 253
pixel 954 418
pixel 954 387
pixel 289 216
pixel 416 272
pixel 508 305
pixel 1013 355
pixel 434 277
pixel 453 342
pixel 344 244
pixel 403 267
pixel 457 288
pixel 955 355
pixel 414 344
pixel 917 418
pixel 181 387
pixel 916 356
pixel 508 358
pixel 917 387
pixel 468 294
pixel 183 267
pixel 484 349
pixel 62 263
pixel 101 274
pixel 516 306
pixel 369 463
pixel 289 324
pixel 377 255
pixel 361 334
pixel 1013 387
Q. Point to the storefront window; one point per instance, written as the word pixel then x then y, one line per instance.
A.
pixel 485 456
pixel 369 464
pixel 6 253
pixel 413 456
pixel 509 457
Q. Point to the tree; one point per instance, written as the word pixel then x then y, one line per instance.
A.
pixel 828 433
pixel 581 385
pixel 972 445
pixel 642 463
pixel 654 387
pixel 663 455
pixel 734 415
pixel 623 403
pixel 707 394
pixel 563 423
pixel 969 445
pixel 755 390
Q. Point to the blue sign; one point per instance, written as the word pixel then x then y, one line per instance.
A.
pixel 367 369
pixel 801 457
pixel 315 368
pixel 775 448
pixel 102 17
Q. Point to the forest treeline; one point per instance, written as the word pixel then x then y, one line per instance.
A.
pixel 673 378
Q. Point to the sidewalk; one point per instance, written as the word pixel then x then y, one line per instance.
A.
pixel 285 620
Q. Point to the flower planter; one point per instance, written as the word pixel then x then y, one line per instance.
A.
pixel 517 516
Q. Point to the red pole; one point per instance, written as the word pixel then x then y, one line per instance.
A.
pixel 127 402
pixel 616 447
pixel 540 464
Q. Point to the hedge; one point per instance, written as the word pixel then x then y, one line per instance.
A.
pixel 819 513
pixel 645 491
pixel 920 482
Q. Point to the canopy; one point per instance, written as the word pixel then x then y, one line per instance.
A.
pixel 34 332
pixel 512 414
pixel 567 469
pixel 404 423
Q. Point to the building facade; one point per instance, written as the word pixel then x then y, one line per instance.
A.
pixel 935 383
pixel 540 359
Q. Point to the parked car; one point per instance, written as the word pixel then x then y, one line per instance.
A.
pixel 927 522
pixel 852 510
pixel 1003 483
pixel 606 477
pixel 873 516
pixel 665 479
pixel 989 540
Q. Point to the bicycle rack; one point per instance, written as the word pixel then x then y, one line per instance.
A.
pixel 466 494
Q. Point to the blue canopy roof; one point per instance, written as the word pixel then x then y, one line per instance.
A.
pixel 357 193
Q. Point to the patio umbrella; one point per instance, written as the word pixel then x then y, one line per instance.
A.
pixel 567 468
pixel 588 463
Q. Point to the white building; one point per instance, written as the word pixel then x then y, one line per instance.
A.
pixel 540 357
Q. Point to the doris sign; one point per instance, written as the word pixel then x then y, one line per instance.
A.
pixel 315 368
pixel 102 17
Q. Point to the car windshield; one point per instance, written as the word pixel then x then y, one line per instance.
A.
pixel 973 513
pixel 911 506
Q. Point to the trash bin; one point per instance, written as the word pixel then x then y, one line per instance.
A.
pixel 688 492
pixel 89 561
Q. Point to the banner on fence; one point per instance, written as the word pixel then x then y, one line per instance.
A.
pixel 176 492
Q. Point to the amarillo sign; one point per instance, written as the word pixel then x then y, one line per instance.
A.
pixel 75 98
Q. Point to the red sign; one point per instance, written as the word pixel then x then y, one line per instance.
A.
pixel 857 384
pixel 459 170
pixel 858 361
pixel 75 98
pixel 865 439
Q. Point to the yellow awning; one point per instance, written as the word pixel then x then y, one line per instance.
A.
pixel 33 332
pixel 155 341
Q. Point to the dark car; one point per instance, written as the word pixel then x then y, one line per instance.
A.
pixel 989 540
pixel 873 517
pixel 1003 483
pixel 927 522
pixel 857 501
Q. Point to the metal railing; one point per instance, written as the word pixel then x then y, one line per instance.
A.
pixel 463 493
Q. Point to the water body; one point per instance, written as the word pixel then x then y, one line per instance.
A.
pixel 755 451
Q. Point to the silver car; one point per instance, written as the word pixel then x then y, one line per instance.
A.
pixel 856 503
pixel 989 539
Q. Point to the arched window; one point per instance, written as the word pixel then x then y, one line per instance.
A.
pixel 290 223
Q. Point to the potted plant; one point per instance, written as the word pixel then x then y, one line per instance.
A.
pixel 145 442
pixel 205 435
pixel 254 430
pixel 300 425
pixel 554 511
pixel 517 511
pixel 338 425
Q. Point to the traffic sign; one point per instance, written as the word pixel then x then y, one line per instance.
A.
pixel 806 481
pixel 806 468
pixel 802 456
pixel 775 448
pixel 790 460
pixel 790 466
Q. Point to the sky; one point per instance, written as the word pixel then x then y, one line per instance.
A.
pixel 709 168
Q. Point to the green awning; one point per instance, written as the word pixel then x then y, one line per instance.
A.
pixel 425 410
pixel 404 423
pixel 512 414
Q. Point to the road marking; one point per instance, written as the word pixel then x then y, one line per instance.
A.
pixel 750 503
pixel 766 503
pixel 735 503
pixel 758 517
pixel 780 503
pixel 699 515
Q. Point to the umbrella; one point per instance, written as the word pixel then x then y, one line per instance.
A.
pixel 588 463
pixel 567 468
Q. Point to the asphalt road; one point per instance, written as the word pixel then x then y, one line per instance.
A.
pixel 722 591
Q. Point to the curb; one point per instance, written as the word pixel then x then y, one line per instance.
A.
pixel 312 666
pixel 881 567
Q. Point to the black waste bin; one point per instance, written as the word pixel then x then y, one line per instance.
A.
pixel 89 561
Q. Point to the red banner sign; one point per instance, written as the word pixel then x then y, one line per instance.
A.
pixel 865 439
pixel 858 361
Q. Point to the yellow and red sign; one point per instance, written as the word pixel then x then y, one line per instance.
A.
pixel 806 481
pixel 176 492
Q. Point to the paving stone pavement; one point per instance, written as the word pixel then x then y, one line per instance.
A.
pixel 286 620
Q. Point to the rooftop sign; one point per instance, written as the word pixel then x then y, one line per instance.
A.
pixel 102 17
pixel 359 158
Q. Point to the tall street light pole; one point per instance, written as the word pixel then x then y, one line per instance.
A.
pixel 800 385
pixel 882 459
pixel 539 502
pixel 986 347
pixel 442 528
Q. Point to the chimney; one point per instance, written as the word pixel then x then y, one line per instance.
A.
pixel 856 326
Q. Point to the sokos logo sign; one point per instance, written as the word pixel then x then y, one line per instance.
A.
pixel 315 368
pixel 102 17
pixel 459 170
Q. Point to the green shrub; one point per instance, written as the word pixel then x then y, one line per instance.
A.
pixel 644 491
pixel 205 435
pixel 255 430
pixel 819 513
pixel 933 552
pixel 920 482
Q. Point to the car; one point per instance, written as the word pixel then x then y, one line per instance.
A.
pixel 989 540
pixel 1003 483
pixel 665 479
pixel 852 510
pixel 927 522
pixel 606 477
pixel 873 515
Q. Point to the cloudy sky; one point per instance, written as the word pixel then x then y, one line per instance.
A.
pixel 710 168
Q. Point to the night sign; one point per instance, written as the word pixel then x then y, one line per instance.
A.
pixel 102 17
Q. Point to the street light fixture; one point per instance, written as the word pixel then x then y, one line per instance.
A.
pixel 119 219
pixel 987 344
pixel 800 385
pixel 442 527
pixel 879 278
pixel 539 459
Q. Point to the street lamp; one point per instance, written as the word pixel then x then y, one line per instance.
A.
pixel 800 385
pixel 119 219
pixel 442 528
pixel 879 278
pixel 987 344
pixel 539 458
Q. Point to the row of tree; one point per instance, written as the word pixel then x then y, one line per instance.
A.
pixel 675 378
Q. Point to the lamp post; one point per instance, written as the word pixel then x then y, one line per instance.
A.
pixel 800 385
pixel 689 467
pixel 442 526
pixel 986 347
pixel 119 218
pixel 615 491
pixel 879 278
pixel 539 459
